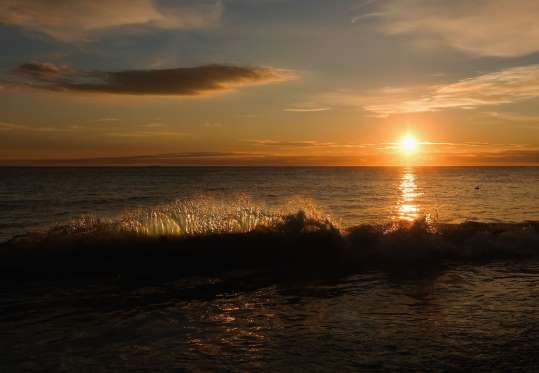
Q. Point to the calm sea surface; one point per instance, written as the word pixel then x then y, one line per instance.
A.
pixel 39 197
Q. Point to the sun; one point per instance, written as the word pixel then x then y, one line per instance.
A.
pixel 408 144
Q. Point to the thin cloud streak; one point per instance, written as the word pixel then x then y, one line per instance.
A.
pixel 10 126
pixel 501 87
pixel 5 126
pixel 513 157
pixel 514 117
pixel 307 110
pixel 304 144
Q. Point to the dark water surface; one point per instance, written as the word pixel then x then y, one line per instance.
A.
pixel 297 295
pixel 466 318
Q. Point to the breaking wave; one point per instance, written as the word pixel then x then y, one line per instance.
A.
pixel 191 217
pixel 206 235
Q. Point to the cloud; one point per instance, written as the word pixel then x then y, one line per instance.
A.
pixel 73 20
pixel 186 158
pixel 196 159
pixel 182 81
pixel 483 27
pixel 513 156
pixel 209 124
pixel 107 120
pixel 307 110
pixel 501 87
pixel 154 125
pixel 42 71
pixel 514 117
pixel 304 144
pixel 10 127
pixel 506 157
pixel 147 134
pixel 527 157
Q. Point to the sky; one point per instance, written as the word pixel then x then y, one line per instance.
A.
pixel 269 82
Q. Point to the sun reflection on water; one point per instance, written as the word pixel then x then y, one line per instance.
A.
pixel 407 206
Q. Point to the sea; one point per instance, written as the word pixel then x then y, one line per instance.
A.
pixel 38 198
pixel 167 269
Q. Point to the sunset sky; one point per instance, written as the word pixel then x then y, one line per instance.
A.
pixel 269 82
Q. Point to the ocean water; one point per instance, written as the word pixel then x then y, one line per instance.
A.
pixel 37 198
pixel 468 318
pixel 269 269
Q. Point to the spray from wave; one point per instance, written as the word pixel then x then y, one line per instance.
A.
pixel 198 216
pixel 208 235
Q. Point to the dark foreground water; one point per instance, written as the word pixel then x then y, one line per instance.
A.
pixel 230 269
pixel 467 318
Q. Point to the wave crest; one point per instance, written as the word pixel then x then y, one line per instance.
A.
pixel 199 216
pixel 205 235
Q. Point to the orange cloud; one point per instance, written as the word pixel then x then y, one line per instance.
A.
pixel 10 126
pixel 305 144
pixel 307 109
pixel 484 27
pixel 501 87
pixel 75 20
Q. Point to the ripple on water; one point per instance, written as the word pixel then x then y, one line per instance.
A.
pixel 467 317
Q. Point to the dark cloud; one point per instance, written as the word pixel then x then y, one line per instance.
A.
pixel 41 71
pixel 182 81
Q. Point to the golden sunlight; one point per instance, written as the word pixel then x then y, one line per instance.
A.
pixel 408 144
